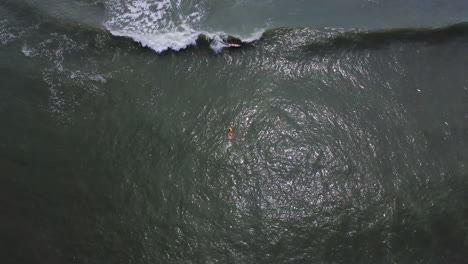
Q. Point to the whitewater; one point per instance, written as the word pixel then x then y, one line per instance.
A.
pixel 166 24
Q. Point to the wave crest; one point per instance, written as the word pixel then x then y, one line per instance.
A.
pixel 165 24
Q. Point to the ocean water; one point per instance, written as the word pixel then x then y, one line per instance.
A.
pixel 350 121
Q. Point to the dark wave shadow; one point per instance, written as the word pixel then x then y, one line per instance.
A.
pixel 383 38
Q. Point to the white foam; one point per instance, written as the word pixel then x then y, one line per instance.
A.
pixel 163 41
pixel 160 42
pixel 5 32
pixel 252 37
pixel 28 52
pixel 98 78
pixel 165 24
pixel 159 25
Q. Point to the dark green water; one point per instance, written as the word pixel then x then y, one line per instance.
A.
pixel 350 146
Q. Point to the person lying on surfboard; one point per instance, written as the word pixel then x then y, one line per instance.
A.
pixel 233 45
pixel 230 133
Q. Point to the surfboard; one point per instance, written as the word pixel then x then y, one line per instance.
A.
pixel 232 45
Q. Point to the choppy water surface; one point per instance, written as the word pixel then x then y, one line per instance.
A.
pixel 350 122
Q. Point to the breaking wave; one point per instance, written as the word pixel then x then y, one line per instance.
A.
pixel 166 24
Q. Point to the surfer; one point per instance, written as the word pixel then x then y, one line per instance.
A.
pixel 232 45
pixel 230 133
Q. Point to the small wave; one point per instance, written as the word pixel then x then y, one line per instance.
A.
pixel 359 39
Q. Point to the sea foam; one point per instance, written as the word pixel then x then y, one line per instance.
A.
pixel 166 24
